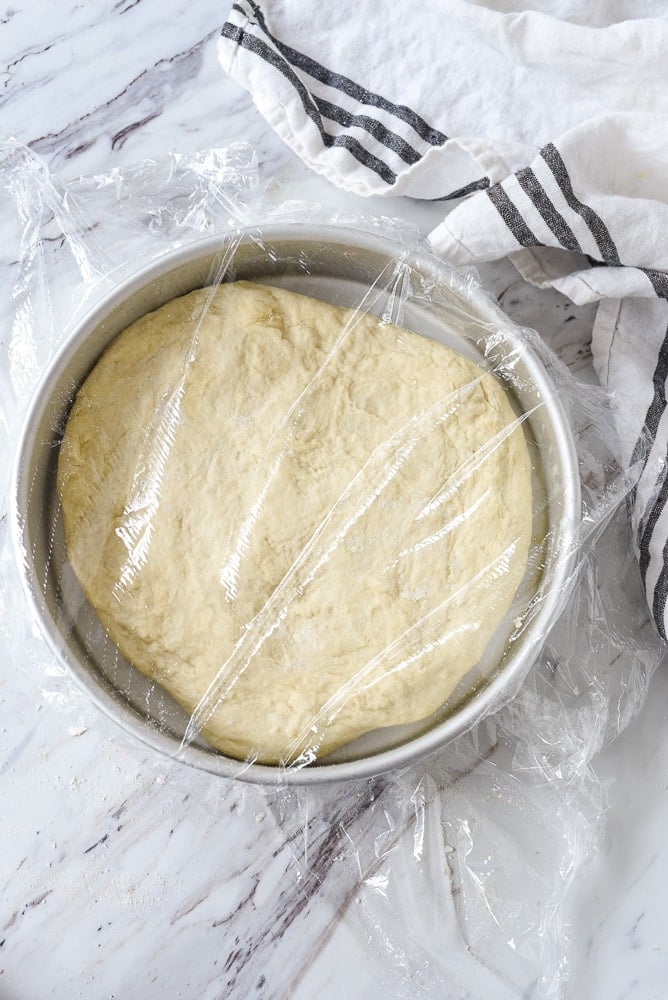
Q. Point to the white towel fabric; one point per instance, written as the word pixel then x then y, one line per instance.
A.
pixel 550 120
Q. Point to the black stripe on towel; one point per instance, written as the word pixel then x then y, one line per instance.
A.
pixel 480 185
pixel 346 85
pixel 597 226
pixel 510 215
pixel 553 219
pixel 259 48
pixel 659 281
pixel 647 437
pixel 646 529
pixel 660 595
pixel 657 406
pixel 370 125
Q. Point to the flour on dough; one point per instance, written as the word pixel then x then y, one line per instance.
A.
pixel 316 517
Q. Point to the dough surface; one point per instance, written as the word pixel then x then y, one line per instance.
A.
pixel 318 518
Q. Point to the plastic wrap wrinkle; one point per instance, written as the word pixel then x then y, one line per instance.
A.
pixel 383 466
pixel 368 502
pixel 439 853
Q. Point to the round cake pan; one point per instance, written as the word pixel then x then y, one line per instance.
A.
pixel 340 267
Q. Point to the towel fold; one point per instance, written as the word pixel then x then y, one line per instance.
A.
pixel 549 127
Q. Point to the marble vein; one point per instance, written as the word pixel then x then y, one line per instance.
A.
pixel 152 89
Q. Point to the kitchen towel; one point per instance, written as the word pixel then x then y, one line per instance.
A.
pixel 546 121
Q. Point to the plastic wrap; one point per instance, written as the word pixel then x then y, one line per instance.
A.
pixel 473 589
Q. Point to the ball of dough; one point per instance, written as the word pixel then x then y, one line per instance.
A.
pixel 303 522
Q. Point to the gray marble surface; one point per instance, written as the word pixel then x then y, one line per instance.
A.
pixel 127 876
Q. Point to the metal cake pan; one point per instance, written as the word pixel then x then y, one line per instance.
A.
pixel 338 266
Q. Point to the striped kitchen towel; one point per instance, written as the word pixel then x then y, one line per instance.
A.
pixel 550 128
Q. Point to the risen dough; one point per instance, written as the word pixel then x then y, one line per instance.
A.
pixel 328 514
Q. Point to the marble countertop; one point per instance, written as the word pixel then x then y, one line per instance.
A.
pixel 130 877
